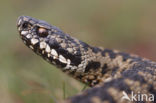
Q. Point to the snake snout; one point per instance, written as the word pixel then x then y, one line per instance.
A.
pixel 19 21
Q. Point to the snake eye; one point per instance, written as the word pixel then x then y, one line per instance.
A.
pixel 42 32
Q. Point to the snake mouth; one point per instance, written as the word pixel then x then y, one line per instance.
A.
pixel 30 41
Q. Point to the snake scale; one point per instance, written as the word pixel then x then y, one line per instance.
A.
pixel 113 75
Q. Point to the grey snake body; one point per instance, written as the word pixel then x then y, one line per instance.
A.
pixel 109 72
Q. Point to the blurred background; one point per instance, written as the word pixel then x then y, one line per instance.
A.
pixel 126 25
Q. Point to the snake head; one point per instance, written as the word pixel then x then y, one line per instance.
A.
pixel 50 42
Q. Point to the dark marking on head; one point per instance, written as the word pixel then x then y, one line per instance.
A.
pixel 53 43
pixel 59 64
pixel 92 65
pixel 62 52
pixel 75 58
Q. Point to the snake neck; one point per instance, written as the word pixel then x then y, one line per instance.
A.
pixel 100 65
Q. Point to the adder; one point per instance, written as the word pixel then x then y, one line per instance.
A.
pixel 112 75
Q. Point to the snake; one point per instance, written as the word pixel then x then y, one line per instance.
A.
pixel 113 76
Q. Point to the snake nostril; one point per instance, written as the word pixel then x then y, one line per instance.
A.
pixel 25 25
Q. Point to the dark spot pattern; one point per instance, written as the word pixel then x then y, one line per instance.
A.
pixel 101 92
pixel 96 50
pixel 124 55
pixel 110 52
pixel 92 65
pixel 133 75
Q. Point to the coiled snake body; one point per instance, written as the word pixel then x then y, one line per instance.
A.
pixel 115 73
